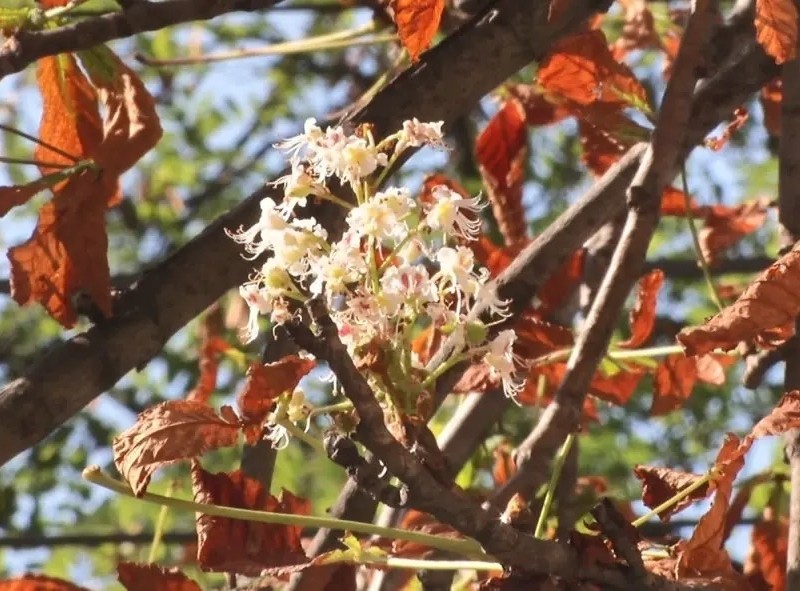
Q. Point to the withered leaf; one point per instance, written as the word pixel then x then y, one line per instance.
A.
pixel 769 304
pixel 236 545
pixel 151 577
pixel 643 313
pixel 417 22
pixel 500 150
pixel 660 484
pixel 265 382
pixel 168 432
pixel 582 69
pixel 38 583
pixel 776 28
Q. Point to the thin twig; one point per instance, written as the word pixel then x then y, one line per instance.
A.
pixel 25 47
pixel 39 141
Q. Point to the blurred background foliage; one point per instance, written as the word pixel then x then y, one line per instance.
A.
pixel 220 122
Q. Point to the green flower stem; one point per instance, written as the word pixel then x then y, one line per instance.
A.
pixel 555 476
pixel 297 432
pixel 420 564
pixel 712 289
pixel 436 373
pixel 161 522
pixel 618 355
pixel 464 547
pixel 338 407
pixel 622 354
pixel 711 475
pixel 337 40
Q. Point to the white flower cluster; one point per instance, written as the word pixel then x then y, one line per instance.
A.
pixel 376 277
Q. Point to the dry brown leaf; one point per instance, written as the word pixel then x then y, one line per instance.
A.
pixel 643 314
pixel 265 382
pixel 660 484
pixel 38 583
pixel 168 432
pixel 725 226
pixel 500 150
pixel 765 566
pixel 582 69
pixel 66 255
pixel 776 28
pixel 417 22
pixel 236 545
pixel 151 577
pixel 765 308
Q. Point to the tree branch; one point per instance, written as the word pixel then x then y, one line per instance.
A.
pixel 789 229
pixel 25 47
pixel 656 170
pixel 445 84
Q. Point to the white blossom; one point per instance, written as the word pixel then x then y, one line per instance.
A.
pixel 449 213
pixel 502 362
pixel 258 304
pixel 261 236
pixel 415 134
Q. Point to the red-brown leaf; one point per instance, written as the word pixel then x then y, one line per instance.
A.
pixel 776 28
pixel 536 337
pixel 660 484
pixel 725 226
pixel 236 545
pixel 540 109
pixel 500 150
pixel 168 432
pixel 417 22
pixel 70 117
pixel 769 304
pixel 503 468
pixel 424 523
pixel 643 314
pixel 151 577
pixel 673 202
pixel 740 116
pixel 66 255
pixel 493 257
pixel 618 388
pixel 266 382
pixel 674 381
pixel 600 147
pixel 10 197
pixel 703 553
pixel 765 567
pixel 210 353
pixel 582 69
pixel 131 126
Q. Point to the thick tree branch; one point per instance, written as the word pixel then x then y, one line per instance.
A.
pixel 789 228
pixel 656 170
pixel 445 84
pixel 25 47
